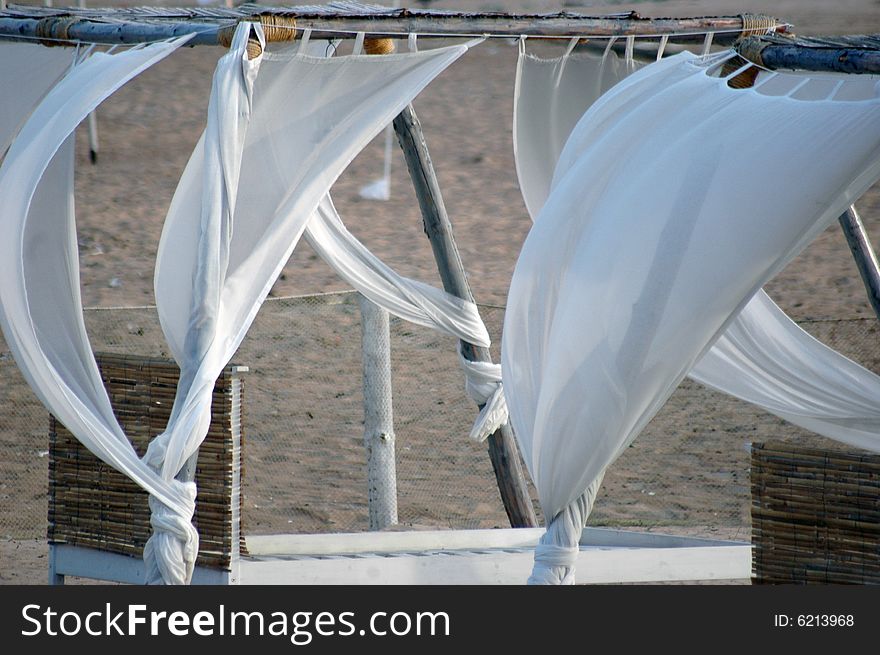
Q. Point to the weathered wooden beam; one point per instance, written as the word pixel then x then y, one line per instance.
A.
pixel 30 29
pixel 502 445
pixel 563 24
pixel 839 54
pixel 138 25
pixel 863 253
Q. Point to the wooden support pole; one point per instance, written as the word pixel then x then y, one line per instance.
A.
pixel 837 54
pixel 863 253
pixel 140 25
pixel 378 416
pixel 502 445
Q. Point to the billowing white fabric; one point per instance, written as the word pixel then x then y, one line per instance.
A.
pixel 659 228
pixel 40 305
pixel 550 96
pixel 781 368
pixel 31 70
pixel 416 302
pixel 351 99
pixel 411 300
pixel 332 107
pixel 764 357
pixel 201 362
pixel 309 117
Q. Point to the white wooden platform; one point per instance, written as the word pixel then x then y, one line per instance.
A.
pixel 450 557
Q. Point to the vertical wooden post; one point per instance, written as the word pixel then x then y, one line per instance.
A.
pixel 863 253
pixel 502 445
pixel 378 416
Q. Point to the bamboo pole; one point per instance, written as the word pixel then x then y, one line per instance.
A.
pixel 502 445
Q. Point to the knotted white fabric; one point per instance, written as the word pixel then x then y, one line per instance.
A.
pixel 483 386
pixel 171 551
pixel 40 305
pixel 557 551
pixel 645 250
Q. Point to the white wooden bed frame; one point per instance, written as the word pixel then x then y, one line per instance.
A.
pixel 442 557
pixel 446 557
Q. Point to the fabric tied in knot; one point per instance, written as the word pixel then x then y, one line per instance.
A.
pixel 170 552
pixel 483 386
pixel 556 553
pixel 554 565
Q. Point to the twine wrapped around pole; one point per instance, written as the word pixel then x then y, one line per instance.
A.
pixel 275 28
pixel 758 24
pixel 53 31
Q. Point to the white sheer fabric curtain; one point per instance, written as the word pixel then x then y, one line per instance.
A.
pixel 763 358
pixel 40 305
pixel 549 98
pixel 359 94
pixel 639 260
pixel 411 300
pixel 243 166
pixel 279 133
pixel 31 70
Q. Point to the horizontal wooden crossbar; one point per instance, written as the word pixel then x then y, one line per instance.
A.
pixel 345 19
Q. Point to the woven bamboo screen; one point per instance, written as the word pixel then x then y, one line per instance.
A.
pixel 815 516
pixel 94 506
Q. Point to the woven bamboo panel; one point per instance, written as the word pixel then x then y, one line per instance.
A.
pixel 94 506
pixel 815 516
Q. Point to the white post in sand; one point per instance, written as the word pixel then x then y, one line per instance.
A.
pixel 378 416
